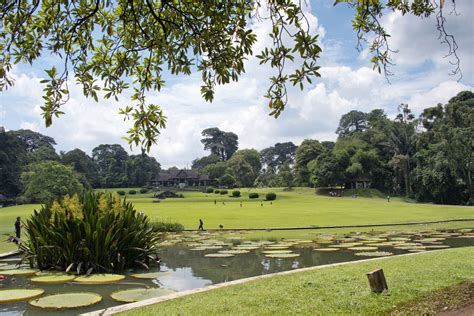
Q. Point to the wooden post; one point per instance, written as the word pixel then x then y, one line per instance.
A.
pixel 377 281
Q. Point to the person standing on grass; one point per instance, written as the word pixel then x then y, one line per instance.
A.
pixel 240 203
pixel 201 225
pixel 388 198
pixel 18 227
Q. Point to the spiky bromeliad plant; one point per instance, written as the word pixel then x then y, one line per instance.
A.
pixel 92 233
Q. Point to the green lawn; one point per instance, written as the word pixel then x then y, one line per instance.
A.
pixel 300 207
pixel 338 290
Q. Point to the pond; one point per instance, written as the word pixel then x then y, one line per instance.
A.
pixel 193 260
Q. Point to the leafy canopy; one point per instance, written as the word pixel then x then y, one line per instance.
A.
pixel 116 45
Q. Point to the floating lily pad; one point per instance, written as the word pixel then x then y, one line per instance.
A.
pixel 436 246
pixel 150 275
pixel 270 252
pixel 363 248
pixel 135 295
pixel 235 251
pixel 219 255
pixel 283 255
pixel 400 238
pixel 346 245
pixel 247 247
pixel 15 295
pixel 8 267
pixel 53 278
pixel 277 247
pixel 67 300
pixel 374 254
pixel 99 278
pixel 19 272
pixel 326 249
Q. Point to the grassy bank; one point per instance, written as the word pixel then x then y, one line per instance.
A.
pixel 330 291
pixel 300 207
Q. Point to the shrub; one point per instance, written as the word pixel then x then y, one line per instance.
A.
pixel 121 192
pixel 209 190
pixel 132 192
pixel 96 232
pixel 224 192
pixel 235 193
pixel 164 227
pixel 270 196
pixel 253 195
pixel 143 190
pixel 216 191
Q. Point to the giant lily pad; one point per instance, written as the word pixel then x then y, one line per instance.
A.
pixel 275 252
pixel 363 248
pixel 15 295
pixel 53 278
pixel 374 254
pixel 99 278
pixel 135 295
pixel 19 272
pixel 219 255
pixel 150 275
pixel 67 300
pixel 235 251
pixel 326 249
pixel 283 255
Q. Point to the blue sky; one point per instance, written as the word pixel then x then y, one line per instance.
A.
pixel 348 82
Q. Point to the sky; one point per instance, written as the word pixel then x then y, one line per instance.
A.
pixel 421 79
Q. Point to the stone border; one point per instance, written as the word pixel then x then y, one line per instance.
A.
pixel 122 308
pixel 336 227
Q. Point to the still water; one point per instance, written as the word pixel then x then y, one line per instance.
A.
pixel 188 268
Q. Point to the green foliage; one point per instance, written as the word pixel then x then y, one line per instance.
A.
pixel 309 150
pixel 143 190
pixel 223 192
pixel 217 191
pixel 132 192
pixel 270 196
pixel 49 180
pixel 368 193
pixel 111 160
pixel 164 227
pixel 201 163
pixel 209 190
pixel 95 232
pixel 121 192
pixel 236 193
pixel 253 195
pixel 83 165
pixel 274 157
pixel 12 158
pixel 227 180
pixel 221 144
pixel 244 166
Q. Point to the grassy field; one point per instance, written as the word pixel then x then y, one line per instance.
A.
pixel 300 207
pixel 341 290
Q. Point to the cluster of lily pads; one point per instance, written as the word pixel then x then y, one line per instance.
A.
pixel 75 299
pixel 217 245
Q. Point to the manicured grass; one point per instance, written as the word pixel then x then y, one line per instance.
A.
pixel 300 207
pixel 339 290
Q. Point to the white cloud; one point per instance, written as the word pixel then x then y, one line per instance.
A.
pixel 240 107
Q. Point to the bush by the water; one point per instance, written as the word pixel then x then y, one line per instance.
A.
pixel 143 190
pixel 96 232
pixel 121 192
pixel 217 191
pixel 132 192
pixel 270 196
pixel 224 192
pixel 236 193
pixel 209 190
pixel 164 227
pixel 253 195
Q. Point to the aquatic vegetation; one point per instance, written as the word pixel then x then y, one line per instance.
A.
pixel 19 272
pixel 53 278
pixel 374 254
pixel 140 294
pixel 67 300
pixel 150 275
pixel 99 278
pixel 15 295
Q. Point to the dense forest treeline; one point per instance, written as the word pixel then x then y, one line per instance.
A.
pixel 429 158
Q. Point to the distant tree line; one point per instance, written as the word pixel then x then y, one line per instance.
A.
pixel 31 168
pixel 429 158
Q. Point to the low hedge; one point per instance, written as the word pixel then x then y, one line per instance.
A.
pixel 217 191
pixel 236 193
pixel 209 190
pixel 270 196
pixel 224 192
pixel 253 195
pixel 143 190
pixel 132 192
pixel 121 192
